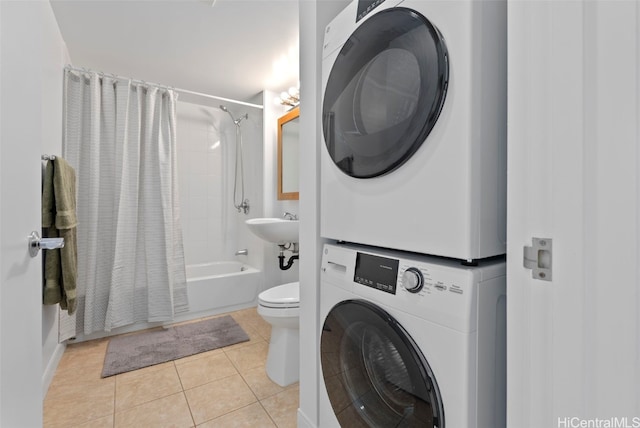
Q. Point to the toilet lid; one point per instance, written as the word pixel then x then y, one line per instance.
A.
pixel 282 296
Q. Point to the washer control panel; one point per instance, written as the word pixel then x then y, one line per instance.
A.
pixel 393 275
pixel 376 272
pixel 429 288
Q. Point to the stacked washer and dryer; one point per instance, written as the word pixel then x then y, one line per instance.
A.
pixel 413 203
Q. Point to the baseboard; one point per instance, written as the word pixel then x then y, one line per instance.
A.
pixel 303 420
pixel 52 365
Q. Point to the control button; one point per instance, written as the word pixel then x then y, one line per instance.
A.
pixel 412 280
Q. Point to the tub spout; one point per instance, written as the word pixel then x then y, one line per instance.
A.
pixel 242 252
pixel 289 216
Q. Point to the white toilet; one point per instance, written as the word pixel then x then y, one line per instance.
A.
pixel 280 307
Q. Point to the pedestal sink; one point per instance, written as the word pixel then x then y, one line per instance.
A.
pixel 276 230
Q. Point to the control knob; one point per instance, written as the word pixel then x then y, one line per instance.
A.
pixel 412 280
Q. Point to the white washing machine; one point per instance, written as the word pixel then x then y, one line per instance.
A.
pixel 411 341
pixel 415 125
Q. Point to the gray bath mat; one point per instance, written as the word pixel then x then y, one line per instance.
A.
pixel 135 351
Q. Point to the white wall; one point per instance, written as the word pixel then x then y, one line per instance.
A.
pixel 213 229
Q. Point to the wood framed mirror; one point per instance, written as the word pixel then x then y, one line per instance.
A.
pixel 288 160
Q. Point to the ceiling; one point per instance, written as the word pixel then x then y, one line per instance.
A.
pixel 228 48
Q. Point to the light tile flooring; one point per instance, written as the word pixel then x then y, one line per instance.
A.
pixel 226 387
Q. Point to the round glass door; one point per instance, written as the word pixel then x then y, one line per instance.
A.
pixel 384 93
pixel 374 373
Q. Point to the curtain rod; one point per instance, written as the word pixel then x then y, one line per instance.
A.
pixel 184 91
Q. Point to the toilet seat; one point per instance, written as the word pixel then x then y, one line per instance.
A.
pixel 281 296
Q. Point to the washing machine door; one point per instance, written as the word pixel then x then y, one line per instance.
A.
pixel 374 373
pixel 384 93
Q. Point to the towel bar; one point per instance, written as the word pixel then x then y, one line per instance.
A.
pixel 36 243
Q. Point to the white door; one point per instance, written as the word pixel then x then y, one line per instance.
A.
pixel 21 135
pixel 574 177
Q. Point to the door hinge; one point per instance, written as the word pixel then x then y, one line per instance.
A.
pixel 538 257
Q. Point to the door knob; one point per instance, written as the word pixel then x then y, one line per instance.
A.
pixel 36 243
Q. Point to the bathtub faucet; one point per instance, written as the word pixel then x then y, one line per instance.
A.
pixel 289 216
pixel 242 252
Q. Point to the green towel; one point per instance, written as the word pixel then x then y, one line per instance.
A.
pixel 59 220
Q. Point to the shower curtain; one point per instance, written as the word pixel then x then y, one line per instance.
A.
pixel 121 139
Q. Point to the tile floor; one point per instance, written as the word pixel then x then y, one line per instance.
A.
pixel 226 387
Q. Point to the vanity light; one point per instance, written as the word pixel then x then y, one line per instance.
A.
pixel 291 97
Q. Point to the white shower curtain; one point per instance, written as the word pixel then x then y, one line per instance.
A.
pixel 121 139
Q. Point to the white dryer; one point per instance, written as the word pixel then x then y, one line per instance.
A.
pixel 414 126
pixel 411 341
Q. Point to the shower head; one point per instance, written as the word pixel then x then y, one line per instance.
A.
pixel 235 121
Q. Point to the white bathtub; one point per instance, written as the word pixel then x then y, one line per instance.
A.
pixel 213 288
pixel 219 287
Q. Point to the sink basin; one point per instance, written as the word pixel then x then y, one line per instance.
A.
pixel 275 230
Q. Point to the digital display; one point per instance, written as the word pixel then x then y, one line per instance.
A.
pixel 366 6
pixel 376 272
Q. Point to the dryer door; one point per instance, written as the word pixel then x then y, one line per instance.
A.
pixel 374 372
pixel 384 93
